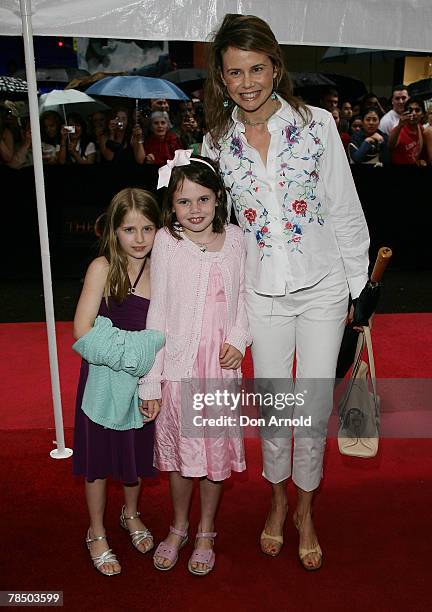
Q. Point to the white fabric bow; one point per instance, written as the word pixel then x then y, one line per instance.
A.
pixel 181 158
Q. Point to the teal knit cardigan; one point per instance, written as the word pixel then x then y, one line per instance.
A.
pixel 117 359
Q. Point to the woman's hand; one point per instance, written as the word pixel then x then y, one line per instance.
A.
pixel 150 158
pixel 230 358
pixel 149 409
pixel 350 319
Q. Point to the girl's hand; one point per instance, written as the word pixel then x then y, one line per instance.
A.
pixel 149 409
pixel 230 358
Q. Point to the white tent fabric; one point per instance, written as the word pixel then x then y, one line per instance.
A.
pixel 379 24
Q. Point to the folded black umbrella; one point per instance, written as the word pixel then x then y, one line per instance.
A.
pixel 364 307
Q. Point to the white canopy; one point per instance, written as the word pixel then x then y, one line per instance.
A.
pixel 381 24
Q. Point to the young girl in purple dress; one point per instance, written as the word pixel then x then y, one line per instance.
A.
pixel 116 286
pixel 198 303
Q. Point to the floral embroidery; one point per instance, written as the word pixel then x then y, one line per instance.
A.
pixel 299 207
pixel 250 215
pixel 292 134
pixel 297 178
pixel 236 147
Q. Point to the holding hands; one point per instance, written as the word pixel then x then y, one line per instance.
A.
pixel 149 409
pixel 230 358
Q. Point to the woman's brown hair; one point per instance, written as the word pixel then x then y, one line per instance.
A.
pixel 248 33
pixel 203 175
pixel 117 283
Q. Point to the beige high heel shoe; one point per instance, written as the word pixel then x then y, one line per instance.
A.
pixel 136 536
pixel 106 557
pixel 305 552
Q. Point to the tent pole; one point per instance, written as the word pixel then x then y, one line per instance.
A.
pixel 61 451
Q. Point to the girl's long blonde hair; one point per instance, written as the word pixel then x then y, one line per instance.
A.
pixel 131 198
pixel 248 33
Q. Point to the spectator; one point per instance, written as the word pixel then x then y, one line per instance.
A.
pixel 117 146
pixel 356 124
pixel 369 145
pixel 345 115
pixel 50 125
pixel 162 143
pixel 391 119
pixel 6 138
pixel 406 138
pixel 427 138
pixel 370 100
pixel 97 128
pixel 159 104
pixel 428 118
pixel 23 155
pixel 329 99
pixel 345 137
pixel 76 147
pixel 188 133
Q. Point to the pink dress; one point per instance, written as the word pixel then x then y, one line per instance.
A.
pixel 200 450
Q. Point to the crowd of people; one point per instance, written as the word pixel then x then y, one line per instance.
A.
pixel 149 136
pixel 373 135
pixel 373 130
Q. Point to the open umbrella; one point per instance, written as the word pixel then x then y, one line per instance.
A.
pixel 364 306
pixel 137 87
pixel 422 88
pixel 61 100
pixel 13 88
pixel 310 79
pixel 189 79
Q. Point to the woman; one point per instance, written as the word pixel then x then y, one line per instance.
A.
pixel 76 147
pixel 162 143
pixel 307 242
pixel 117 146
pixel 406 139
pixel 369 145
pixel 50 124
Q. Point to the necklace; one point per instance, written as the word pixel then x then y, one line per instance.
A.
pixel 262 121
pixel 133 287
pixel 203 245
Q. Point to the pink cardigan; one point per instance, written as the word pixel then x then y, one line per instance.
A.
pixel 179 278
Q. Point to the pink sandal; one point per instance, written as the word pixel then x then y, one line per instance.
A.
pixel 168 551
pixel 199 555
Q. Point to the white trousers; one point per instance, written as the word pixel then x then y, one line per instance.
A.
pixel 308 323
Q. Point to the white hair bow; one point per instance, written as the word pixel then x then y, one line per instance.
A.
pixel 181 158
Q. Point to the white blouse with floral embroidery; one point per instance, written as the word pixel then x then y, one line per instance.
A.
pixel 300 212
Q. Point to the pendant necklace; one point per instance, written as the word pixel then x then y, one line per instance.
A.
pixel 133 287
pixel 204 245
pixel 261 122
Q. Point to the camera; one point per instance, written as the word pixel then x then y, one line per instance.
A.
pixel 70 129
pixel 119 124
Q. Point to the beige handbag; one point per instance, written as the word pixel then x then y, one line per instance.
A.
pixel 359 412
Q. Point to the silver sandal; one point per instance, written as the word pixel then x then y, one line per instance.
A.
pixel 136 536
pixel 106 557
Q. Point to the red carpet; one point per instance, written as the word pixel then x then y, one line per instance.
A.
pixel 372 516
pixel 402 345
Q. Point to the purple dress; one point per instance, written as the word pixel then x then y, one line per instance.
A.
pixel 98 451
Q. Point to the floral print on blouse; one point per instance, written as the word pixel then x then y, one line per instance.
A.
pixel 300 211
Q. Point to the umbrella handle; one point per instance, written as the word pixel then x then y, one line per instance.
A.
pixel 382 260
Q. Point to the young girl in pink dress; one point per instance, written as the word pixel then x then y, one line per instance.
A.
pixel 198 302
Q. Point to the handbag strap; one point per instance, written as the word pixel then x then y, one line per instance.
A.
pixel 364 339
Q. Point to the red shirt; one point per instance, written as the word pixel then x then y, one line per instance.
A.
pixel 408 149
pixel 162 149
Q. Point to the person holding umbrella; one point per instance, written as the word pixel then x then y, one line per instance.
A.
pixel 307 246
